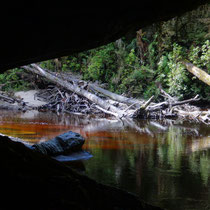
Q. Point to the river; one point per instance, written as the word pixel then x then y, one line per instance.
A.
pixel 166 163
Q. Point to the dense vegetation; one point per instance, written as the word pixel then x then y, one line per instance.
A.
pixel 136 67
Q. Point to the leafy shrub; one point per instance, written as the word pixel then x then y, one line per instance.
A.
pixel 101 64
pixel 177 77
pixel 135 67
pixel 11 80
pixel 173 74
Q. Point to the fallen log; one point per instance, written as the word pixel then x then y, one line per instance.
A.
pixel 166 95
pixel 142 111
pixel 62 100
pixel 116 97
pixel 166 104
pixel 8 106
pixel 7 98
pixel 203 116
pixel 76 99
pixel 76 89
pixel 12 103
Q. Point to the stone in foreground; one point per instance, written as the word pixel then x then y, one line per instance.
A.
pixel 63 144
pixel 31 180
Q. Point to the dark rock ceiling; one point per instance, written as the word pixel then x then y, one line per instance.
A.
pixel 35 33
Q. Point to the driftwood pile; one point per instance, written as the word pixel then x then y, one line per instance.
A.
pixel 11 102
pixel 73 95
pixel 61 100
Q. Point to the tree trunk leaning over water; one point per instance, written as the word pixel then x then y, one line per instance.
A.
pixel 199 73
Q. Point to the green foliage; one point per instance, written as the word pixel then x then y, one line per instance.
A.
pixel 151 90
pixel 177 77
pixel 101 64
pixel 75 63
pixel 72 63
pixel 136 67
pixel 199 56
pixel 11 80
pixel 173 74
pixel 163 70
pixel 49 64
pixel 152 52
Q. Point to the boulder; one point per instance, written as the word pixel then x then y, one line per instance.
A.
pixel 75 156
pixel 31 180
pixel 65 143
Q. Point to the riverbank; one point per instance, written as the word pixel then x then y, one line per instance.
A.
pixel 29 97
pixel 61 100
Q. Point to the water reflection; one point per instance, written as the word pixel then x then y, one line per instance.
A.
pixel 36 126
pixel 167 163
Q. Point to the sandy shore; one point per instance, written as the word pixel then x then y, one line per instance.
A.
pixel 28 97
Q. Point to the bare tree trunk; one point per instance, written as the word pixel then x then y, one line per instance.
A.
pixel 76 89
pixel 199 73
pixel 115 96
pixel 143 110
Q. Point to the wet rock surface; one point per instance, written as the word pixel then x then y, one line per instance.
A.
pixel 66 143
pixel 85 27
pixel 31 180
pixel 75 156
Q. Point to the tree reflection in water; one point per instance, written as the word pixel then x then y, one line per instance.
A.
pixel 166 162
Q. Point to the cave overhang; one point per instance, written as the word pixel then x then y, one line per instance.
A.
pixel 33 34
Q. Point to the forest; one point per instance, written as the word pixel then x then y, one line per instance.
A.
pixel 160 62
pixel 141 105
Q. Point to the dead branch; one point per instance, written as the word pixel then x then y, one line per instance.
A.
pixel 71 95
pixel 76 89
pixel 166 104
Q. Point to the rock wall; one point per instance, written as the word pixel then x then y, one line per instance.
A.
pixel 36 33
pixel 31 180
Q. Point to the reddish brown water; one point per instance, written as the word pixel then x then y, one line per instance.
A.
pixel 167 163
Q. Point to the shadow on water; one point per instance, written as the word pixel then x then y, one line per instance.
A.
pixel 167 163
